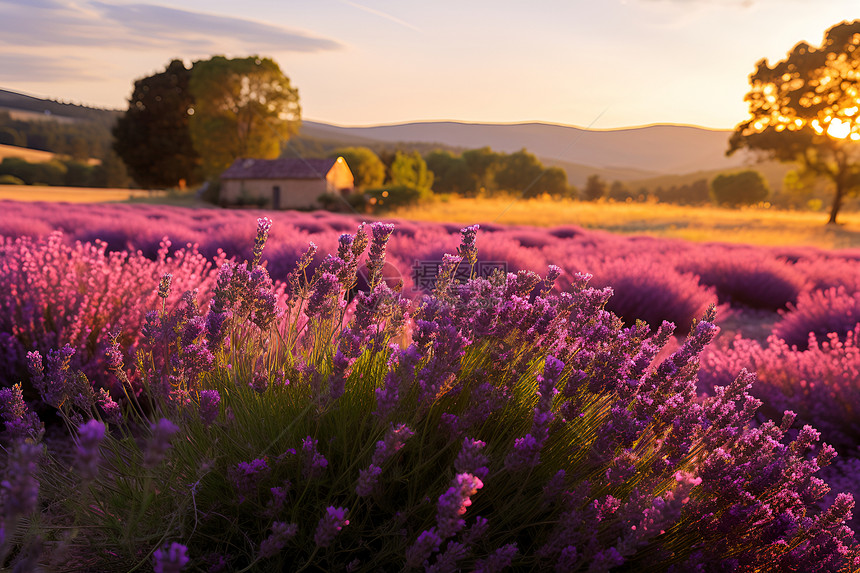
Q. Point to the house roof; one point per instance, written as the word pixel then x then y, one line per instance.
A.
pixel 285 168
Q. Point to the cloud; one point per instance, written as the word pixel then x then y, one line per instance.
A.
pixel 17 67
pixel 135 26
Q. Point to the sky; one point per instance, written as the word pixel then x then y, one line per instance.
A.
pixel 602 64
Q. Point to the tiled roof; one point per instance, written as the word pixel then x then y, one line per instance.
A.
pixel 287 168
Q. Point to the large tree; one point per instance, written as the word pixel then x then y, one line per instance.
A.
pixel 244 107
pixel 805 109
pixel 152 137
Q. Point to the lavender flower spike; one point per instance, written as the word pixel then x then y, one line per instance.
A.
pixel 159 443
pixel 170 558
pixel 263 226
pixel 329 525
pixel 164 285
pixel 468 249
pixel 453 503
pixel 376 259
pixel 90 437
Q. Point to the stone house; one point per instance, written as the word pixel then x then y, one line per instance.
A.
pixel 288 183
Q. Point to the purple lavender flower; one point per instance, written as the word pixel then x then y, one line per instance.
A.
pixel 19 421
pixel 445 274
pixel 170 558
pixel 21 488
pixel 281 534
pixel 367 479
pixel 162 432
pixel 471 460
pixel 208 406
pixel 265 308
pixel 246 476
pixel 376 259
pixel 454 502
pixel 313 462
pixel 164 285
pixel 524 455
pixel 329 525
pixel 394 440
pixel 468 249
pixel 263 226
pixel 428 542
pixel 90 437
pixel 498 559
pixel 323 300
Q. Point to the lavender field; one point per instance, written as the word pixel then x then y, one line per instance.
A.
pixel 450 400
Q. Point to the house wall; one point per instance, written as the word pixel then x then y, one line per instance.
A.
pixel 295 193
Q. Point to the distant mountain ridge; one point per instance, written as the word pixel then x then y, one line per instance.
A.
pixel 654 149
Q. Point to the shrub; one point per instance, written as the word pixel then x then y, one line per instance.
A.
pixel 744 188
pixel 81 297
pixel 820 383
pixel 392 197
pixel 536 434
pixel 643 289
pixel 747 278
pixel 819 313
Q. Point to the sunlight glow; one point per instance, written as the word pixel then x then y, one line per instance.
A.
pixel 839 129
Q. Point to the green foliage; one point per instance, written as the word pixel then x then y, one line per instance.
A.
pixel 410 170
pixel 595 188
pixel 451 173
pixel 519 172
pixel 802 109
pixel 46 173
pixel 695 193
pixel 88 136
pixel 483 164
pixel 392 197
pixel 366 167
pixel 152 138
pixel 11 180
pixel 244 107
pixel 744 188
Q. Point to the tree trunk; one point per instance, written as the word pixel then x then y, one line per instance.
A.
pixel 837 201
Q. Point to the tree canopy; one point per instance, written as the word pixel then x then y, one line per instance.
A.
pixel 805 109
pixel 743 188
pixel 152 137
pixel 410 170
pixel 244 107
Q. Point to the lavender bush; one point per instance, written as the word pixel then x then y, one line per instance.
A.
pixel 820 313
pixel 284 428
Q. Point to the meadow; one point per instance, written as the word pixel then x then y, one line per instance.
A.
pixel 750 225
pixel 300 391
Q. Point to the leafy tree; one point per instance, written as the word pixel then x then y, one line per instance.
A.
pixel 244 107
pixel 595 188
pixel 744 188
pixel 553 180
pixel 450 173
pixel 519 172
pixel 805 109
pixel 152 138
pixel 483 164
pixel 410 170
pixel 366 167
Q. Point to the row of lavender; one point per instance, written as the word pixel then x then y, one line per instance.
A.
pixel 554 437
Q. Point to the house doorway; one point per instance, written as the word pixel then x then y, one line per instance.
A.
pixel 276 197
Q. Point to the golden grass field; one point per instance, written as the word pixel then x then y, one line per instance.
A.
pixel 753 225
pixel 70 194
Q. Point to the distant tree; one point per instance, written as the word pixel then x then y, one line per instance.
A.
pixel 450 173
pixel 618 191
pixel 410 170
pixel 9 136
pixel 595 188
pixel 805 109
pixel 244 107
pixel 152 138
pixel 553 181
pixel 483 163
pixel 366 167
pixel 519 172
pixel 735 189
